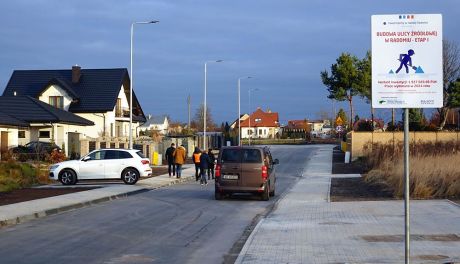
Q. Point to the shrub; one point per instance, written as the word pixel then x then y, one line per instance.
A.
pixel 16 175
pixel 56 156
pixel 433 168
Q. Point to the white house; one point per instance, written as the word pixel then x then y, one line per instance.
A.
pixel 98 96
pixel 242 118
pixel 24 119
pixel 260 124
pixel 156 123
pixel 320 127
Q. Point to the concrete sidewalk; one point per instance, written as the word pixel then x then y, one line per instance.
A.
pixel 21 212
pixel 306 228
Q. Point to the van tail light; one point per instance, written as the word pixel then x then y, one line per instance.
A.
pixel 264 172
pixel 145 162
pixel 217 171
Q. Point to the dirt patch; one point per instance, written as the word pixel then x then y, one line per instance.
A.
pixel 340 167
pixel 356 189
pixel 28 194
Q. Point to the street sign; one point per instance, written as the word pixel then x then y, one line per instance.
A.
pixel 407 61
pixel 339 121
pixel 339 129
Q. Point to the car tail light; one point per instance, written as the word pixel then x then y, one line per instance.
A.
pixel 145 162
pixel 217 172
pixel 264 172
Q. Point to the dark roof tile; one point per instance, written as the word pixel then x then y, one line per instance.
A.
pixel 31 110
pixel 97 89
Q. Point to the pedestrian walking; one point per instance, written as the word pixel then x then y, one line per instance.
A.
pixel 212 162
pixel 179 159
pixel 170 159
pixel 204 165
pixel 196 161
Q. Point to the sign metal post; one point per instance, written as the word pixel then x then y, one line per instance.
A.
pixel 407 73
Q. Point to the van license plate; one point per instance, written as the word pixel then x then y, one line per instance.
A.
pixel 230 177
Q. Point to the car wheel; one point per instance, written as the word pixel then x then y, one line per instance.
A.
pixel 272 193
pixel 266 193
pixel 68 177
pixel 130 176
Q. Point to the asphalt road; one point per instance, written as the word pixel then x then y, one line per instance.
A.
pixel 179 224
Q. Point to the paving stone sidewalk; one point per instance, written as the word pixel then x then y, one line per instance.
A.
pixel 306 228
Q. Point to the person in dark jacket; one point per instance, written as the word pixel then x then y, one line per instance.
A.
pixel 204 165
pixel 169 156
pixel 212 160
pixel 196 160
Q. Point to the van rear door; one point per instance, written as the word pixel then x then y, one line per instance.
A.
pixel 251 167
pixel 230 167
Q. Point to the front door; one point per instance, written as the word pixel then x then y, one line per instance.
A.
pixel 73 143
pixel 3 143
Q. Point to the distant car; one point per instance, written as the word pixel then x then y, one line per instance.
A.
pixel 124 164
pixel 34 149
pixel 247 169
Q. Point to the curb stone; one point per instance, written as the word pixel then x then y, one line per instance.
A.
pixel 144 188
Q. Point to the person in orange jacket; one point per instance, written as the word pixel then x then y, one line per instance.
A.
pixel 179 159
pixel 196 161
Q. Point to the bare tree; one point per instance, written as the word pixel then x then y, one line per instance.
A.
pixel 198 120
pixel 451 72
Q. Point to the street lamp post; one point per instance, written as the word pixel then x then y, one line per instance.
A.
pixel 239 108
pixel 204 108
pixel 250 129
pixel 131 81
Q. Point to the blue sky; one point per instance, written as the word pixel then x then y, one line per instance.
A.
pixel 284 44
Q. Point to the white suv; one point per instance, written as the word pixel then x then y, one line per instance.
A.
pixel 128 165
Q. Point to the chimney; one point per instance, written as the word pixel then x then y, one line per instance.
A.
pixel 76 74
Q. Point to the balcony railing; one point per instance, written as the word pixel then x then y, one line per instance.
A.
pixel 122 113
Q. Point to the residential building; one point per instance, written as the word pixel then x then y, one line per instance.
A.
pixel 98 96
pixel 320 127
pixel 261 124
pixel 158 124
pixel 24 119
pixel 235 123
pixel 297 129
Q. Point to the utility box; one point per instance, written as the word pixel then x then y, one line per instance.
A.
pixel 155 158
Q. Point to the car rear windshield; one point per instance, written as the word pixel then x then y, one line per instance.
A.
pixel 140 154
pixel 241 155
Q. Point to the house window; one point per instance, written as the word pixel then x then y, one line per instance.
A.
pixel 260 131
pixel 44 134
pixel 21 134
pixel 118 112
pixel 258 119
pixel 57 101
